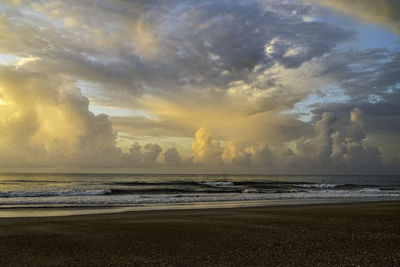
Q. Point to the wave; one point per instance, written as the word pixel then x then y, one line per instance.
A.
pixel 131 200
pixel 250 190
pixel 154 183
pixel 155 191
pixel 55 193
pixel 328 194
pixel 29 183
pixel 172 191
pixel 218 183
pixel 174 183
pixel 261 186
pixel 219 187
pixel 216 190
pixel 280 185
pixel 316 185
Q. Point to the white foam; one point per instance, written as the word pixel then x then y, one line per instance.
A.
pixel 217 184
pixel 316 185
pixel 250 190
pixel 371 190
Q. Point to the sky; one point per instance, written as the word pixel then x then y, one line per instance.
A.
pixel 227 86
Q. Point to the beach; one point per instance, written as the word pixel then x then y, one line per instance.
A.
pixel 317 234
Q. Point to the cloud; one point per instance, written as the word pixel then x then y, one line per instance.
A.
pixel 26 60
pixel 370 80
pixel 145 42
pixel 143 155
pixel 172 157
pixel 205 149
pixel 339 144
pixel 241 70
pixel 46 122
pixel 237 154
pixel 232 74
pixel 383 12
pixel 319 147
pixel 173 34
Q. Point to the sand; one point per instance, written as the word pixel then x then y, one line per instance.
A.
pixel 329 234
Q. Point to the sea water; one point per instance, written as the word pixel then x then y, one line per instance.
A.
pixel 30 193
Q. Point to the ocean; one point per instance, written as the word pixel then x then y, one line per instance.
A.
pixel 27 194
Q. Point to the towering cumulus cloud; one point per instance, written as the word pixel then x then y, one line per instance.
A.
pixel 206 149
pixel 339 144
pixel 45 121
pixel 203 86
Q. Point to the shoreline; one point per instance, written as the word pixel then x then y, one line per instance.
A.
pixel 316 234
pixel 66 211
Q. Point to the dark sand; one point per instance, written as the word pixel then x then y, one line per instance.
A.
pixel 331 234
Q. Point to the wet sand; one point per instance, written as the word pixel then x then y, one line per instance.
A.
pixel 325 234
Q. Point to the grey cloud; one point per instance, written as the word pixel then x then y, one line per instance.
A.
pixel 371 81
pixel 314 40
pixel 339 145
pixel 172 157
pixel 263 157
pixel 224 39
pixel 143 155
pixel 363 73
pixel 382 12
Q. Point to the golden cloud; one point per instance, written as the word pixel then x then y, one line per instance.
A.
pixel 382 12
